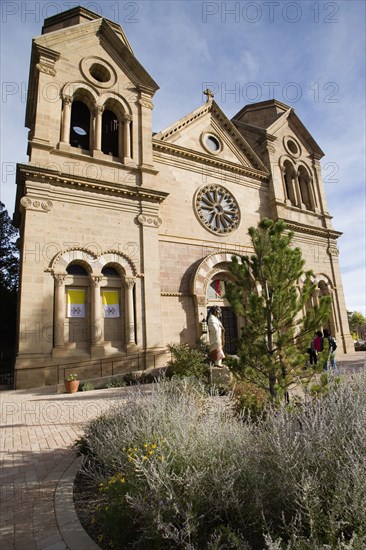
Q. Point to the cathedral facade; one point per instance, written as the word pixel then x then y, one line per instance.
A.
pixel 126 235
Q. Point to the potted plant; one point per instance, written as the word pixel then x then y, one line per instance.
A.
pixel 72 383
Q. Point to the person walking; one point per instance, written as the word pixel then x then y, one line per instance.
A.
pixel 316 347
pixel 330 345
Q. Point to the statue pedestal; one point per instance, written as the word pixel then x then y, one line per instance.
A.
pixel 220 376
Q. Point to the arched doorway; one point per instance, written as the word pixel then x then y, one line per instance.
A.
pixel 208 288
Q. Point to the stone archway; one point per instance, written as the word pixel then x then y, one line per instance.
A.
pixel 208 269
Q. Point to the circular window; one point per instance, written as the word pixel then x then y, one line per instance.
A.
pixel 100 72
pixel 292 147
pixel 217 209
pixel 211 143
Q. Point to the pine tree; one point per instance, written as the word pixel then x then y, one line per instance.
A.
pixel 265 292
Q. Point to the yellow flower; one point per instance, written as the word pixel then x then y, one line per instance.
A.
pixel 146 445
pixel 154 446
pixel 150 452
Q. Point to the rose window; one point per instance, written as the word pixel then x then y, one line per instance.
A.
pixel 217 209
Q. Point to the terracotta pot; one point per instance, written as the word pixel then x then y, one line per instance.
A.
pixel 72 386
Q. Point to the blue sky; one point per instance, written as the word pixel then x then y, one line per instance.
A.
pixel 307 54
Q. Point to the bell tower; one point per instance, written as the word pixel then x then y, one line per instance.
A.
pixel 297 196
pixel 85 207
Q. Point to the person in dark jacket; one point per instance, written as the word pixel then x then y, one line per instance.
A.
pixel 330 345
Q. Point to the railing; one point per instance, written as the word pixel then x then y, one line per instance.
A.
pixel 7 379
pixel 103 364
pixel 97 368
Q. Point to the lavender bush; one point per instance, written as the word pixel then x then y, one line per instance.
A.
pixel 177 469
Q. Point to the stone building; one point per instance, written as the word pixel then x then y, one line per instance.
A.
pixel 126 235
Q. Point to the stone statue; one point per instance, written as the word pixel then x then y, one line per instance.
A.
pixel 216 336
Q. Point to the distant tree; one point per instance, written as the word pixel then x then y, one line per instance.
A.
pixel 273 343
pixel 357 323
pixel 9 276
pixel 9 255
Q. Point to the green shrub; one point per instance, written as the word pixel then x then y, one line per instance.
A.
pixel 116 383
pixel 196 477
pixel 187 361
pixel 87 386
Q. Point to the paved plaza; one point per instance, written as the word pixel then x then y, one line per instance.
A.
pixel 38 464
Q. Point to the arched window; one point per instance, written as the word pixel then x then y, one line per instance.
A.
pixel 77 315
pixel 304 184
pixel 289 177
pixel 110 133
pixel 80 125
pixel 76 269
pixel 113 304
pixel 108 271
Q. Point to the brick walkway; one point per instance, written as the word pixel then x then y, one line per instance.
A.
pixel 38 429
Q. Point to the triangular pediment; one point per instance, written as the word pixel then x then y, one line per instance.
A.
pixel 293 122
pixel 81 38
pixel 208 132
pixel 267 119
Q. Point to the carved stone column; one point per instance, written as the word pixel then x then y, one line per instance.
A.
pixel 59 312
pixel 96 329
pixel 296 184
pixel 316 296
pixel 130 315
pixel 312 194
pixel 127 119
pixel 98 112
pixel 66 118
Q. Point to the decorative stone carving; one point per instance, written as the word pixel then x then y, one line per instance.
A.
pixel 149 220
pixel 201 300
pixel 26 202
pixel 333 251
pixel 45 69
pixel 46 205
pixel 59 279
pixel 66 99
pixel 146 103
pixel 217 209
pixel 129 282
pixel 96 280
pixel 36 204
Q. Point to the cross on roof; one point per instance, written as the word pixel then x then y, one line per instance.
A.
pixel 209 93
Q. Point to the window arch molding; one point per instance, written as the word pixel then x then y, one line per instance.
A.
pixel 92 283
pixel 70 89
pixel 305 179
pixel 78 104
pixel 114 127
pixel 288 168
pixel 117 100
